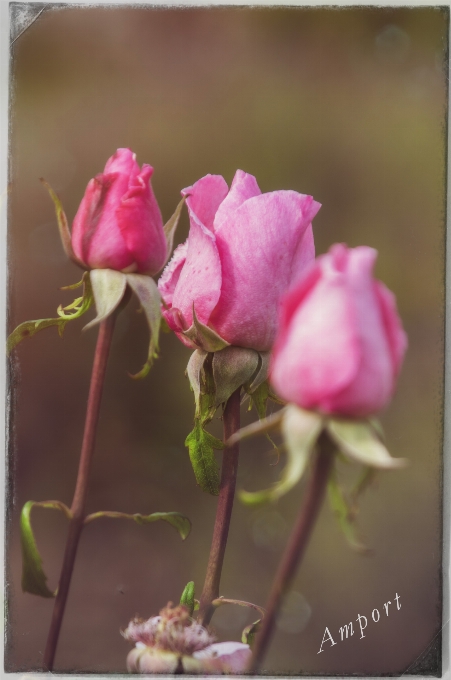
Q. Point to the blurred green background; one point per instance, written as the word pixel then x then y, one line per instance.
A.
pixel 346 105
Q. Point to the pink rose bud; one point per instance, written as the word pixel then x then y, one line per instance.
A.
pixel 118 224
pixel 341 343
pixel 244 250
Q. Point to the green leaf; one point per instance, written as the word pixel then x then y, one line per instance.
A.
pixel 358 440
pixel 177 520
pixel 148 295
pixel 344 513
pixel 200 445
pixel 108 287
pixel 63 226
pixel 171 226
pixel 187 598
pixel 249 633
pixel 30 328
pixel 300 430
pixel 34 579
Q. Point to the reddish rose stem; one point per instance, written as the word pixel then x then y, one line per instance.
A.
pixel 295 549
pixel 81 488
pixel 229 471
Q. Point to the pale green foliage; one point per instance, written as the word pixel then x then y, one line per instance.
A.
pixel 300 430
pixel 358 440
pixel 149 297
pixel 73 311
pixel 175 519
pixel 108 287
pixel 34 579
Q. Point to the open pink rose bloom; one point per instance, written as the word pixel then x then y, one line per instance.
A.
pixel 341 343
pixel 244 250
pixel 173 642
pixel 118 224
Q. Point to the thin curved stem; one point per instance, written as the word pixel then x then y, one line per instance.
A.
pixel 81 488
pixel 229 471
pixel 295 549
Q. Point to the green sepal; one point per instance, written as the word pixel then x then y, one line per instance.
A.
pixel 108 287
pixel 175 519
pixel 196 377
pixel 300 430
pixel 34 579
pixel 164 327
pixel 345 513
pixel 358 440
pixel 261 374
pixel 171 226
pixel 63 226
pixel 232 367
pixel 363 482
pixel 201 445
pixel 204 337
pixel 187 598
pixel 80 306
pixel 147 292
pixel 249 633
pixel 214 377
pixel 270 424
pixel 259 398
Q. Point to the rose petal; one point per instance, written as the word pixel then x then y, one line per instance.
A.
pixel 124 162
pixel 200 278
pixel 226 657
pixel 151 661
pixel 204 198
pixel 258 247
pixel 96 237
pixel 244 186
pixel 306 367
pixel 397 338
pixel 171 273
pixel 141 224
pixel 373 385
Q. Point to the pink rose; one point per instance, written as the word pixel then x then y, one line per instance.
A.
pixel 174 642
pixel 341 343
pixel 244 250
pixel 118 224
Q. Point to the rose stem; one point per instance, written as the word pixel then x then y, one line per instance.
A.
pixel 81 488
pixel 231 421
pixel 295 548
